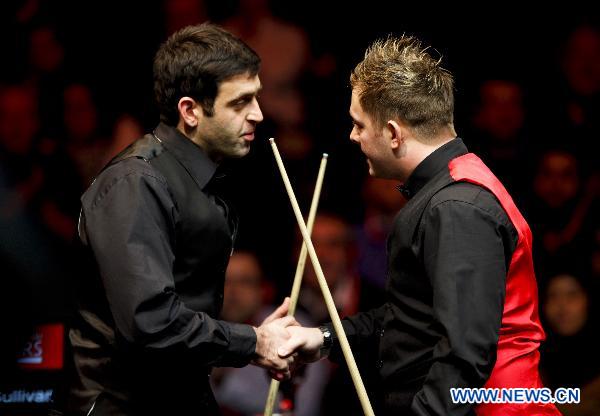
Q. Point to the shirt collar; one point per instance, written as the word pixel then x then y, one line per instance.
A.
pixel 431 166
pixel 189 154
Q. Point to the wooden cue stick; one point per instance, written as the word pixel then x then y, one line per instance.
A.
pixel 274 387
pixel 335 318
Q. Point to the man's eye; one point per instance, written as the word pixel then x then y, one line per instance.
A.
pixel 241 102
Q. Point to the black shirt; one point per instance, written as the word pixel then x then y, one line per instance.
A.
pixel 448 256
pixel 160 241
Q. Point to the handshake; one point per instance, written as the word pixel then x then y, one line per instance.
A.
pixel 283 345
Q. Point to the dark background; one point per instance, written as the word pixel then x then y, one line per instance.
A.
pixel 109 46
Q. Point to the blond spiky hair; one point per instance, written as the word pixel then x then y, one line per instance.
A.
pixel 399 79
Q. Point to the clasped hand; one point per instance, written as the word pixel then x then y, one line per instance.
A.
pixel 282 344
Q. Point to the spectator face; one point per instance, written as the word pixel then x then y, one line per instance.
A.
pixel 501 113
pixel 581 61
pixel 243 291
pixel 331 238
pixel 566 305
pixel 45 52
pixel 80 113
pixel 557 181
pixel 18 119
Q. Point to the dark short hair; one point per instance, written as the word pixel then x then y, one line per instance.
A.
pixel 193 62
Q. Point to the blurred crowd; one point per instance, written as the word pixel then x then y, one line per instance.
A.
pixel 76 88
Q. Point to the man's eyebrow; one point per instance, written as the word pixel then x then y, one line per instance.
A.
pixel 354 120
pixel 245 94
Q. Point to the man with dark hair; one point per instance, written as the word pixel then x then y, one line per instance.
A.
pixel 147 332
pixel 461 309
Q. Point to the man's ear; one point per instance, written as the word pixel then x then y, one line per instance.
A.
pixel 189 112
pixel 395 133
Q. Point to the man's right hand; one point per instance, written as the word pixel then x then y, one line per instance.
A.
pixel 304 344
pixel 269 338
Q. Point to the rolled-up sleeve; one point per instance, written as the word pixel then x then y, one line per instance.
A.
pixel 130 225
pixel 465 260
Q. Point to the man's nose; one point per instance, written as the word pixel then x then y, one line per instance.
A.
pixel 255 113
pixel 354 136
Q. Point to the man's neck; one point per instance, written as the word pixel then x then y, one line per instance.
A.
pixel 191 135
pixel 419 151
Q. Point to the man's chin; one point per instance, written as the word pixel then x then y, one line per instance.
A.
pixel 244 150
pixel 240 151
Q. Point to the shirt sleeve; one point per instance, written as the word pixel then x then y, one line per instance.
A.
pixel 465 260
pixel 362 331
pixel 130 228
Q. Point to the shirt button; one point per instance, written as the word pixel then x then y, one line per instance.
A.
pixel 379 364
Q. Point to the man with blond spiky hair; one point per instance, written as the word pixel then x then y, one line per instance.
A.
pixel 461 309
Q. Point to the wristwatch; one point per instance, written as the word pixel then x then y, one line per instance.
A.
pixel 327 341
